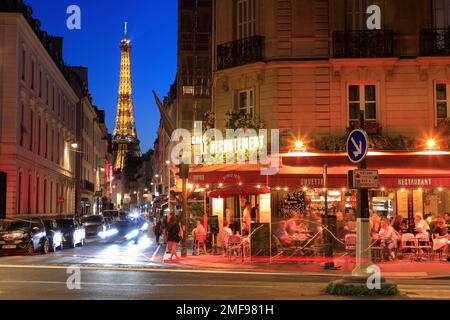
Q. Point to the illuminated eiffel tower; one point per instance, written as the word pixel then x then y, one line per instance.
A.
pixel 124 136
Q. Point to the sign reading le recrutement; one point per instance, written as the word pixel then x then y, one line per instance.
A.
pixel 357 145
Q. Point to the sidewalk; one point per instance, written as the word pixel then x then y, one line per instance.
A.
pixel 311 266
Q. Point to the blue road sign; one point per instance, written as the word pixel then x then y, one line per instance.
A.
pixel 357 146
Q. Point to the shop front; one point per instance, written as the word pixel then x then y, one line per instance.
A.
pixel 408 183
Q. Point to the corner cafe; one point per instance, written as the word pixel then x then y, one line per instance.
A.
pixel 410 182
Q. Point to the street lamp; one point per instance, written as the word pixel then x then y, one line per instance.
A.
pixel 74 145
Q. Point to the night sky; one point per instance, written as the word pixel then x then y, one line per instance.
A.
pixel 152 28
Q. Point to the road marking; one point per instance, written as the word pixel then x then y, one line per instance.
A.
pixel 145 284
pixel 156 252
pixel 162 270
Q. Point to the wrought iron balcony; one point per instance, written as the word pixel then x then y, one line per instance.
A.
pixel 435 42
pixel 372 127
pixel 240 52
pixel 363 44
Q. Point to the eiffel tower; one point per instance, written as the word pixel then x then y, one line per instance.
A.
pixel 125 139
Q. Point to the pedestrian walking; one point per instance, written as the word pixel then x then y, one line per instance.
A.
pixel 157 230
pixel 174 236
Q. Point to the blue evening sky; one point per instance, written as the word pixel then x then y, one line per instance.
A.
pixel 152 28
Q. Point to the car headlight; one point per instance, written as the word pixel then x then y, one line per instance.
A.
pixel 132 234
pixel 18 235
pixel 144 227
pixel 108 233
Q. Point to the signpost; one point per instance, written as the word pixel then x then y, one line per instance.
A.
pixel 366 179
pixel 357 149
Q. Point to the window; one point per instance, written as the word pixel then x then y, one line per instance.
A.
pixel 52 145
pixel 51 197
pixel 24 64
pixel 53 98
pixel 246 102
pixel 29 194
pixel 442 103
pixel 57 148
pixel 48 93
pixel 19 194
pixel 22 125
pixel 40 83
pixel 39 136
pixel 45 196
pixel 362 98
pixel 31 130
pixel 32 75
pixel 441 14
pixel 246 18
pixel 356 14
pixel 46 141
pixel 37 194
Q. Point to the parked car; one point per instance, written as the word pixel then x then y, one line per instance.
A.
pixel 74 234
pixel 54 235
pixel 94 224
pixel 25 235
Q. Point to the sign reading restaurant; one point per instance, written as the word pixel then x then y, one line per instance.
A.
pixel 415 182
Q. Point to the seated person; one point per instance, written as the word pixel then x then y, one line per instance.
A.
pixel 440 236
pixel 397 223
pixel 389 236
pixel 282 234
pixel 340 225
pixel 374 222
pixel 447 218
pixel 198 232
pixel 226 233
pixel 291 225
pixel 420 226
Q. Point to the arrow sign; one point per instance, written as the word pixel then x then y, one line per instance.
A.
pixel 357 146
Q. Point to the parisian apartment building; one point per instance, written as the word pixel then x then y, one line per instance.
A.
pixel 40 110
pixel 309 67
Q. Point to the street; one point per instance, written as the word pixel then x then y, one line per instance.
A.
pixel 129 271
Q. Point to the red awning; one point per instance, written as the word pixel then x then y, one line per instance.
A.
pixel 397 170
pixel 233 191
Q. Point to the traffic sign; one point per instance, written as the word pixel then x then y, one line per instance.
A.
pixel 364 179
pixel 357 145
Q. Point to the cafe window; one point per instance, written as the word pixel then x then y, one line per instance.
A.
pixel 246 18
pixel 356 14
pixel 442 103
pixel 246 102
pixel 441 14
pixel 362 98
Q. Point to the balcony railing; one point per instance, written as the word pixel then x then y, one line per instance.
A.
pixel 372 127
pixel 240 52
pixel 435 42
pixel 363 44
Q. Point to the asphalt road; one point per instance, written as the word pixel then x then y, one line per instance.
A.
pixel 128 271
pixel 98 284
